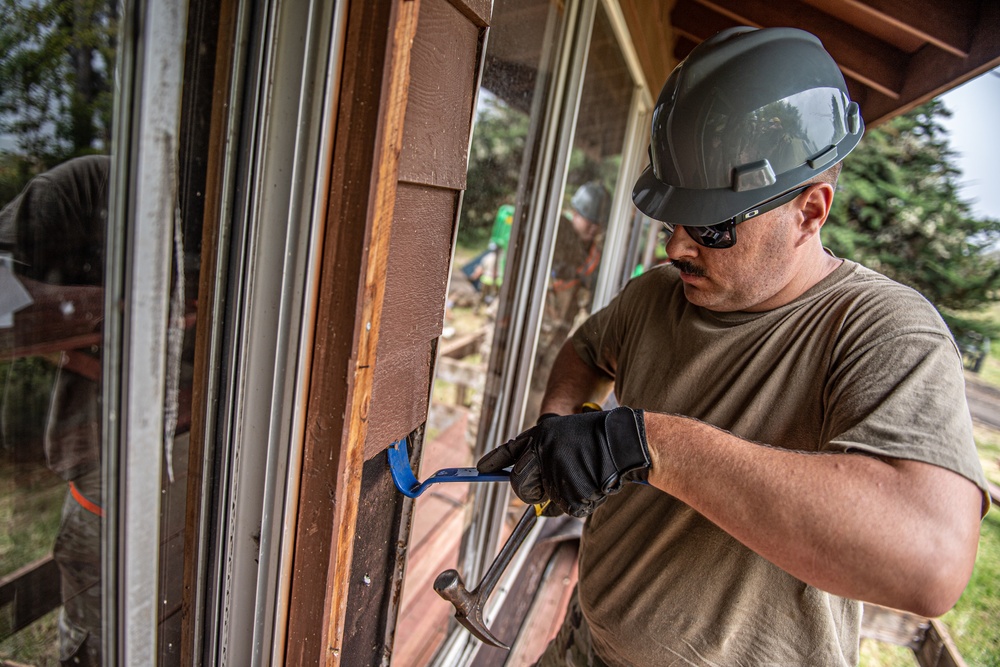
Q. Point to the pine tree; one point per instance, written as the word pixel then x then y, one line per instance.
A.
pixel 56 67
pixel 899 211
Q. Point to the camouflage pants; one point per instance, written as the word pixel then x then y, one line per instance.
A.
pixel 572 647
pixel 77 551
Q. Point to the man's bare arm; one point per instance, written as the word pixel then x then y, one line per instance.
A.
pixel 573 383
pixel 898 533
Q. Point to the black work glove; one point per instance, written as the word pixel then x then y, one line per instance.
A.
pixel 575 461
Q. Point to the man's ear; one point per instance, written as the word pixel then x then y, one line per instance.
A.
pixel 814 204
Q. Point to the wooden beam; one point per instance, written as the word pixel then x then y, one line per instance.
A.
pixel 860 55
pixel 947 25
pixel 30 592
pixel 389 145
pixel 932 72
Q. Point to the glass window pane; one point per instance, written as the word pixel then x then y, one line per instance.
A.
pixel 517 73
pixel 55 127
pixel 592 178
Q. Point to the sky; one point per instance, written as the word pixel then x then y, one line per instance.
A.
pixel 974 135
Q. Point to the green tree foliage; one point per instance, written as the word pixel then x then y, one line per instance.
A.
pixel 56 64
pixel 898 211
pixel 494 167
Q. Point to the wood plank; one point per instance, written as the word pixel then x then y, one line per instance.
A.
pixel 946 25
pixel 545 617
pixel 30 592
pixel 368 325
pixel 938 649
pixel 860 55
pixel 439 115
pixel 932 72
pixel 362 168
pixel 892 626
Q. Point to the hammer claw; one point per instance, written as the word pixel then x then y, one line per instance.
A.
pixel 469 604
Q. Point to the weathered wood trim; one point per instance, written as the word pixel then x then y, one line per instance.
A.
pixel 363 187
pixel 929 640
pixel 393 108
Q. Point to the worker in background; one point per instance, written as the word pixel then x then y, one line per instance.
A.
pixel 575 261
pixel 798 421
pixel 54 231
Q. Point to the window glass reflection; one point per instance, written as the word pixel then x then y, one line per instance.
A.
pixel 502 164
pixel 55 127
pixel 582 225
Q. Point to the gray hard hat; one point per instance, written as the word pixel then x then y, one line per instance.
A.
pixel 592 201
pixel 748 115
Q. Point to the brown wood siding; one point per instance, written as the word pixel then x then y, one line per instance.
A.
pixel 432 169
pixel 354 175
pixel 416 285
pixel 442 87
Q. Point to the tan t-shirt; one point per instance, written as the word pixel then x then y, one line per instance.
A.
pixel 857 363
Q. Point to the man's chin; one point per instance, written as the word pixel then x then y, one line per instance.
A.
pixel 701 296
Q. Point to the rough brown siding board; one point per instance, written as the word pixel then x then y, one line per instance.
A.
pixel 439 112
pixel 354 158
pixel 413 311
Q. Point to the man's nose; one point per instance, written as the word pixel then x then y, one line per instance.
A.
pixel 680 245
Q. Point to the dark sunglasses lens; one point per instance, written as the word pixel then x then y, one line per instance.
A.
pixel 713 236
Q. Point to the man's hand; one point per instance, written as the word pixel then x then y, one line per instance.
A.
pixel 576 461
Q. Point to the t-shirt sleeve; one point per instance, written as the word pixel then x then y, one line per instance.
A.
pixel 599 339
pixel 903 396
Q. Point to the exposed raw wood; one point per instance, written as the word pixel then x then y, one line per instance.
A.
pixel 439 114
pixel 368 324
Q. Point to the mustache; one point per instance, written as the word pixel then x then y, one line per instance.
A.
pixel 688 267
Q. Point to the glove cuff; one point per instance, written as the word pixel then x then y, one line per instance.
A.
pixel 627 428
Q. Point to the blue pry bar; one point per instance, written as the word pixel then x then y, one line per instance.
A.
pixel 408 485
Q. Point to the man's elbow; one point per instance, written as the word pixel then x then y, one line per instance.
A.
pixel 944 573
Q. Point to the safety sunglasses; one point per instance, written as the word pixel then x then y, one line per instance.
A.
pixel 723 234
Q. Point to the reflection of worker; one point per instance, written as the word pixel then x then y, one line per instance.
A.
pixel 575 261
pixel 485 271
pixel 800 420
pixel 577 254
pixel 55 230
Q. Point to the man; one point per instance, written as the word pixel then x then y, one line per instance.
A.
pixel 798 421
pixel 54 231
pixel 572 277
